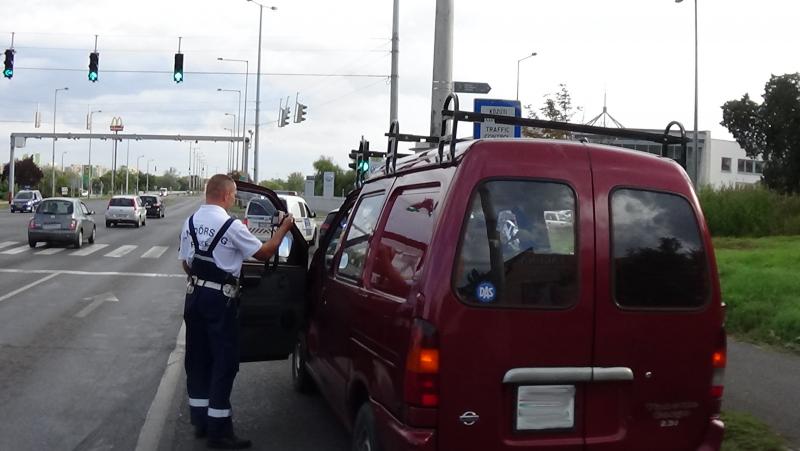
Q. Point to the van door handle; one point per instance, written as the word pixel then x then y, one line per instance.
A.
pixel 550 375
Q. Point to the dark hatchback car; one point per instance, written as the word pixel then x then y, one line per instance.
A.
pixel 154 205
pixel 26 200
pixel 62 220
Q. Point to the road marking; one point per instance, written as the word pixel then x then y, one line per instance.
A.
pixel 160 409
pixel 91 249
pixel 96 302
pixel 89 273
pixel 121 251
pixel 50 251
pixel 28 286
pixel 155 252
pixel 17 250
pixel 7 243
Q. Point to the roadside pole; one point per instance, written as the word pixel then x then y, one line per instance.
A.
pixel 442 84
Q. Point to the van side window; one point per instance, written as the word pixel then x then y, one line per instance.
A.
pixel 659 258
pixel 404 241
pixel 336 236
pixel 518 246
pixel 354 249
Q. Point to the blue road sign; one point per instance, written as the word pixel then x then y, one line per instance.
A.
pixel 497 106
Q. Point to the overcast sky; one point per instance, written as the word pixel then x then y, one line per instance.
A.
pixel 639 52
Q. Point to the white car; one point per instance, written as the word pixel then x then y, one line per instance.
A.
pixel 126 209
pixel 303 217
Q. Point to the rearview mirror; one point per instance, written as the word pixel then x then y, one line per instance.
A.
pixel 286 247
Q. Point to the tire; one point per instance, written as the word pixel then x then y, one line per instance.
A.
pixel 364 436
pixel 108 223
pixel 301 380
pixel 79 240
pixel 144 222
pixel 31 243
pixel 138 222
pixel 91 238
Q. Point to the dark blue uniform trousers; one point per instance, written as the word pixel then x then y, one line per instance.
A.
pixel 212 358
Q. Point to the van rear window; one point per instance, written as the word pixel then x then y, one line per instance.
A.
pixel 659 259
pixel 518 246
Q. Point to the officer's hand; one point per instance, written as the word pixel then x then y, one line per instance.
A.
pixel 288 222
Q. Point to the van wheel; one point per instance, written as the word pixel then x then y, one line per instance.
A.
pixel 364 436
pixel 301 380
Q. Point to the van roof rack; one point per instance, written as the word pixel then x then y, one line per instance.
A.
pixel 455 115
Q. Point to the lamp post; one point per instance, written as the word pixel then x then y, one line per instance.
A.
pixel 230 149
pixel 237 116
pixel 258 87
pixel 91 170
pixel 519 61
pixel 147 189
pixel 53 162
pixel 62 159
pixel 696 140
pixel 138 172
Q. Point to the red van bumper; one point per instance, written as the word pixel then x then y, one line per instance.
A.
pixel 396 436
pixel 714 435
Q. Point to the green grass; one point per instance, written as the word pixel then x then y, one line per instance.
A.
pixel 745 433
pixel 760 280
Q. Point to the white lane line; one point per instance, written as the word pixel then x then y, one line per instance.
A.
pixel 121 251
pixel 7 243
pixel 50 251
pixel 16 250
pixel 90 249
pixel 155 252
pixel 160 412
pixel 28 286
pixel 89 273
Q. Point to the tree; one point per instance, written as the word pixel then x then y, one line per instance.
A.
pixel 343 181
pixel 274 184
pixel 770 129
pixel 26 172
pixel 557 107
pixel 296 182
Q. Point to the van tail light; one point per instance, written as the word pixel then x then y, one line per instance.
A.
pixel 73 224
pixel 422 366
pixel 719 359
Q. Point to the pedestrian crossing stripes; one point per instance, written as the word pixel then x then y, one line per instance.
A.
pixel 152 253
pixel 155 252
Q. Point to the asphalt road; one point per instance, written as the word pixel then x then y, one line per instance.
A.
pixel 85 341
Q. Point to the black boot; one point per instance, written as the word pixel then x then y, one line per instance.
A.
pixel 231 442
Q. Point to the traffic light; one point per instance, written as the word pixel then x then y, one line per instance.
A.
pixel 300 114
pixel 284 118
pixel 94 70
pixel 178 74
pixel 8 72
pixel 363 165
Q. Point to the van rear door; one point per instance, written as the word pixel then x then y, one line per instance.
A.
pixel 657 308
pixel 515 328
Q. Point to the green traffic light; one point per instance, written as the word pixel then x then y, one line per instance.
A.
pixel 92 76
pixel 178 77
pixel 8 73
pixel 364 166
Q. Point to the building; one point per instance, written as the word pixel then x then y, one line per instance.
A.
pixel 723 163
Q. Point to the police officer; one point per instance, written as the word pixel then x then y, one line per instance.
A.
pixel 212 248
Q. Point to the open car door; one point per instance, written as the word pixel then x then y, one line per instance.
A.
pixel 273 294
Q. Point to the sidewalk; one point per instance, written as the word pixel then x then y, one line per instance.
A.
pixel 766 384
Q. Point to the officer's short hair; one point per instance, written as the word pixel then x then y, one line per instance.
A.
pixel 218 185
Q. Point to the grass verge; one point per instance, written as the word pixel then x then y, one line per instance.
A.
pixel 743 432
pixel 761 287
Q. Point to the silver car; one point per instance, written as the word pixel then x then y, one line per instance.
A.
pixel 126 210
pixel 61 219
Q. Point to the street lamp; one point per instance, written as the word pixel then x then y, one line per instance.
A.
pixel 239 112
pixel 53 162
pixel 91 170
pixel 696 147
pixel 258 87
pixel 62 159
pixel 519 61
pixel 147 189
pixel 138 172
pixel 230 149
pixel 244 112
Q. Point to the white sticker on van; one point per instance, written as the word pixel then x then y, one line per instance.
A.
pixel 486 292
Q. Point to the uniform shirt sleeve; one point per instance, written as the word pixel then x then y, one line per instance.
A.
pixel 242 239
pixel 185 248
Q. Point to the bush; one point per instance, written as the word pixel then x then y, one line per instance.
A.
pixel 750 212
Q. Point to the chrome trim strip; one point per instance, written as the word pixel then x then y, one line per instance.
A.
pixel 556 375
pixel 617 373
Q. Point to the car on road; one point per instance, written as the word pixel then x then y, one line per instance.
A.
pixel 303 216
pixel 259 217
pixel 154 206
pixel 26 200
pixel 162 192
pixel 62 220
pixel 518 295
pixel 126 210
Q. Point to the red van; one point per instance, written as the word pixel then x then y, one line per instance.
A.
pixel 519 295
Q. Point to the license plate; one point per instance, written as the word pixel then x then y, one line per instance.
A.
pixel 51 226
pixel 545 407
